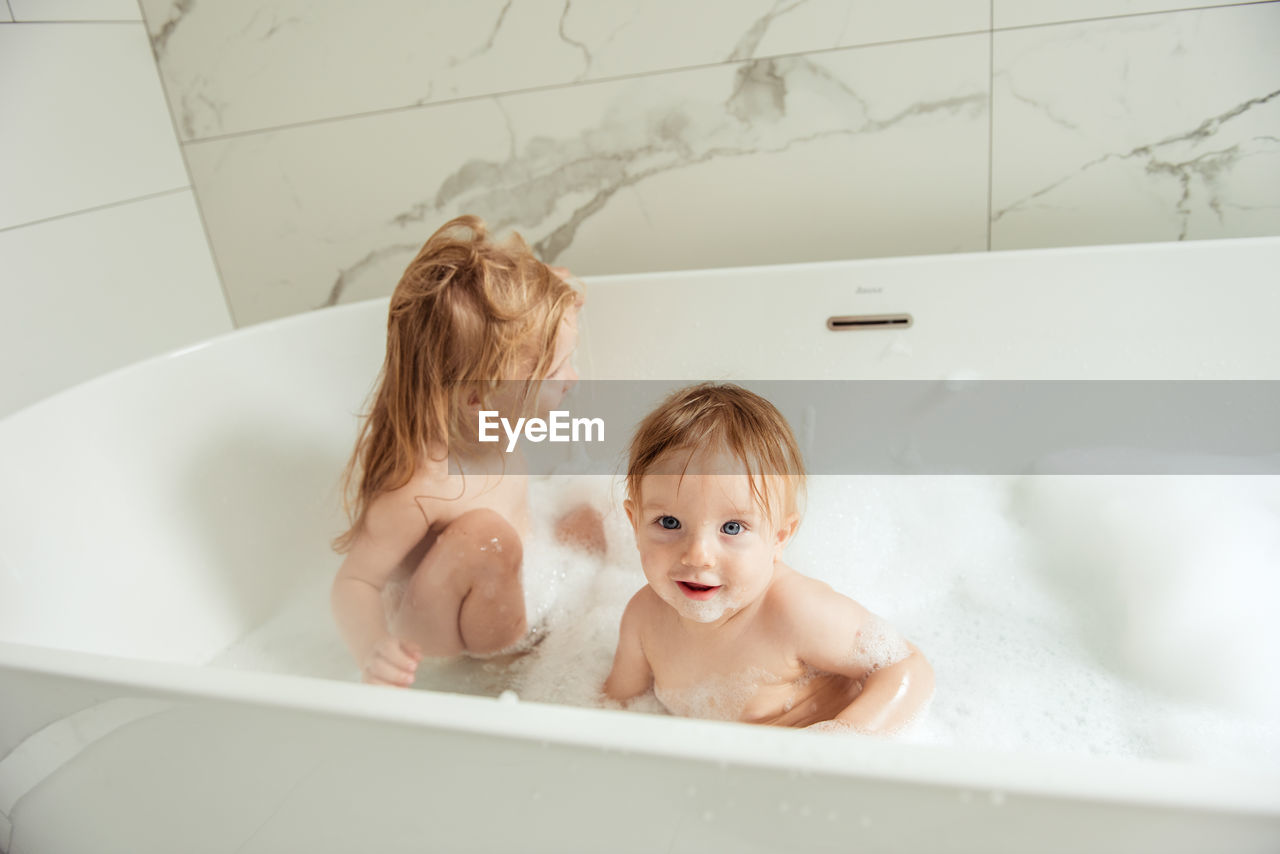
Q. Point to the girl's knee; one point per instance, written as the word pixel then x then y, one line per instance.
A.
pixel 479 548
pixel 484 537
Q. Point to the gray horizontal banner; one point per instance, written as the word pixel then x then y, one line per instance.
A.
pixel 942 427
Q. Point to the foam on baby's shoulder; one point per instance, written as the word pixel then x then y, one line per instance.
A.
pixel 877 644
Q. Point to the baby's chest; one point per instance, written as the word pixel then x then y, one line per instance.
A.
pixel 730 685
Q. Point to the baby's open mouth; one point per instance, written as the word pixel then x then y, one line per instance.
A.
pixel 698 591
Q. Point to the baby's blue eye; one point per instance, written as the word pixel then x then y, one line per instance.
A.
pixel 731 528
pixel 669 522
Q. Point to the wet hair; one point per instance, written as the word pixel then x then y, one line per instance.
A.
pixel 467 313
pixel 724 416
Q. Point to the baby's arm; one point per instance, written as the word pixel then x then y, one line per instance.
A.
pixel 838 635
pixel 631 675
pixel 393 525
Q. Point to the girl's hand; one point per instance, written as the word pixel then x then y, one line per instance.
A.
pixel 391 662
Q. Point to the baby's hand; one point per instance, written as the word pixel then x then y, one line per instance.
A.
pixel 391 662
pixel 583 527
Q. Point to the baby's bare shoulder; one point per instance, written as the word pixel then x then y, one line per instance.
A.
pixel 642 614
pixel 417 503
pixel 799 600
pixel 644 605
pixel 393 509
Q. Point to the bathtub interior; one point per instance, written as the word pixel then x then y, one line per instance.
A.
pixel 179 511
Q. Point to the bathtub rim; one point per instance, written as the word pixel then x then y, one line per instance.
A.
pixel 1104 780
pixel 332 312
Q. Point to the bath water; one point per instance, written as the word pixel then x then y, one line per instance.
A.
pixel 1120 616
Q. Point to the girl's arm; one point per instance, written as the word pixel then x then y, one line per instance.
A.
pixel 838 635
pixel 631 675
pixel 393 525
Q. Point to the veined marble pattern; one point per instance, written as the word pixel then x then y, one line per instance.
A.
pixel 1162 127
pixel 241 65
pixel 863 152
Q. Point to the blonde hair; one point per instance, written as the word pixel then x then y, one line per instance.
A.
pixel 724 416
pixel 467 313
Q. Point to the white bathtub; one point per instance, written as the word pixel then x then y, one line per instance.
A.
pixel 150 518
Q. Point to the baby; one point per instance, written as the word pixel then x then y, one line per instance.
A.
pixel 724 629
pixel 434 554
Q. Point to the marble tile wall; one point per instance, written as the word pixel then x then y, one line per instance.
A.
pixel 326 140
pixel 1169 128
pixel 103 255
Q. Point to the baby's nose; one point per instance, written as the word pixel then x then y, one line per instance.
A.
pixel 699 553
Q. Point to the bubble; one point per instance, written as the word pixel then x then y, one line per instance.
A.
pixel 1126 617
pixel 877 644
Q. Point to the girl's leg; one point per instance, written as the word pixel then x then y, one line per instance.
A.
pixel 466 594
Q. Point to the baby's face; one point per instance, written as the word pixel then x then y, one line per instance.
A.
pixel 707 548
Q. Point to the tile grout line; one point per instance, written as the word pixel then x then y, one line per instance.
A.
pixel 991 114
pixel 990 30
pixel 63 21
pixel 186 166
pixel 1175 11
pixel 116 204
pixel 570 85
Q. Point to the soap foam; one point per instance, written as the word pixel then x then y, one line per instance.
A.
pixel 709 610
pixel 877 644
pixel 1081 615
pixel 723 697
